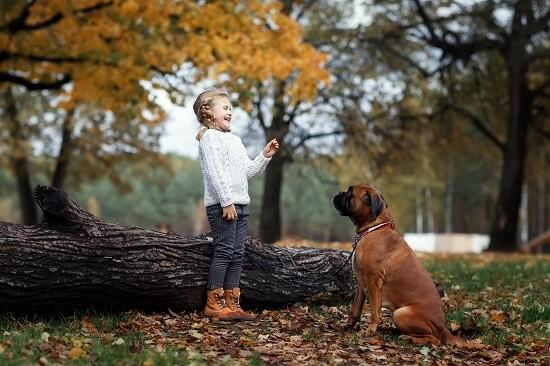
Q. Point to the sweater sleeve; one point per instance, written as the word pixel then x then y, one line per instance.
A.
pixel 216 162
pixel 256 166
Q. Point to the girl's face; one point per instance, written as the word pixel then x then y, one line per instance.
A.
pixel 222 113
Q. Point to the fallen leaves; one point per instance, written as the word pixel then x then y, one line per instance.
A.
pixel 297 335
pixel 87 326
pixel 76 352
pixel 509 319
pixel 497 317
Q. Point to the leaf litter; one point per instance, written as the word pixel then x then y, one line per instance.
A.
pixel 306 334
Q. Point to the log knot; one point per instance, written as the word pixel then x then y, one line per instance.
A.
pixel 52 200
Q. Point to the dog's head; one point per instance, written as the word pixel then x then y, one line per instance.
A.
pixel 362 203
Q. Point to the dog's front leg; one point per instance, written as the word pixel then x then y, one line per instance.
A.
pixel 374 285
pixel 357 306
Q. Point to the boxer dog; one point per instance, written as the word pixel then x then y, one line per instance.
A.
pixel 388 271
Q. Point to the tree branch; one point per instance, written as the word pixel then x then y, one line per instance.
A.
pixel 34 85
pixel 477 122
pixel 259 114
pixel 426 21
pixel 459 50
pixel 46 23
pixel 39 58
pixel 315 136
pixel 307 4
pixel 20 20
pixel 292 113
pixel 542 24
pixel 404 58
pixel 19 23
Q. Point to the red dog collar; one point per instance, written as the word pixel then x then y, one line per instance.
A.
pixel 360 236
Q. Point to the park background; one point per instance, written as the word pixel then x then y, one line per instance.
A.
pixel 441 111
pixel 443 105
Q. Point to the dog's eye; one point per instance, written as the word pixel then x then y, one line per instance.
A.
pixel 366 199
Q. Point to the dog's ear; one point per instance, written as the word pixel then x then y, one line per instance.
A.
pixel 375 202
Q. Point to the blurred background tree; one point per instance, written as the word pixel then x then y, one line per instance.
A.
pixel 442 104
pixel 485 59
pixel 104 58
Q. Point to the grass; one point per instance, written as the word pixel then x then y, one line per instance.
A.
pixel 517 286
pixel 59 338
pixel 504 300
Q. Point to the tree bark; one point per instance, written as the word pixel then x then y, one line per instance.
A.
pixel 516 46
pixel 430 220
pixel 503 234
pixel 19 162
pixel 270 217
pixel 419 211
pixel 20 167
pixel 449 193
pixel 65 150
pixel 73 259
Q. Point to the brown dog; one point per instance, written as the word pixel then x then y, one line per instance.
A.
pixel 386 267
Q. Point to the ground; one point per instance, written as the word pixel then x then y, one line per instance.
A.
pixel 499 300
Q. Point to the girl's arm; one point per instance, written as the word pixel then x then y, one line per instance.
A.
pixel 256 166
pixel 216 163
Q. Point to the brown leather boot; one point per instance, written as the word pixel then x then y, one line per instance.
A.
pixel 216 308
pixel 232 300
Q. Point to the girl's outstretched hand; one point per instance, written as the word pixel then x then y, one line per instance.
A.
pixel 271 148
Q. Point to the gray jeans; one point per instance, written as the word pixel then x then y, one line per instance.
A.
pixel 229 236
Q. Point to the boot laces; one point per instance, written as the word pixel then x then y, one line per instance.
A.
pixel 236 301
pixel 221 301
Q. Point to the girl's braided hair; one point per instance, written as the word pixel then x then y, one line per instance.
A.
pixel 203 108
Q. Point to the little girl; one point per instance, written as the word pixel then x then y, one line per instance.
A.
pixel 226 169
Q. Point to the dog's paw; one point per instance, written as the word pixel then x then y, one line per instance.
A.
pixel 372 329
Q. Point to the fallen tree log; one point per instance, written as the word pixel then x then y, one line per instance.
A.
pixel 74 259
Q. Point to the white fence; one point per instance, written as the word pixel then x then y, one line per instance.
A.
pixel 451 243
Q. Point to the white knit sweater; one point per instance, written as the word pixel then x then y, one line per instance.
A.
pixel 226 168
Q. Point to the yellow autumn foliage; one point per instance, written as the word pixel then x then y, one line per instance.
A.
pixel 107 47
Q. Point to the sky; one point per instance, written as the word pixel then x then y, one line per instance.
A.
pixel 181 127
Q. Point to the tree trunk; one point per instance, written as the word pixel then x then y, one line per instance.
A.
pixel 270 217
pixel 74 259
pixel 20 167
pixel 19 162
pixel 505 220
pixel 449 193
pixel 429 210
pixel 63 158
pixel 419 212
pixel 524 214
pixel 542 201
